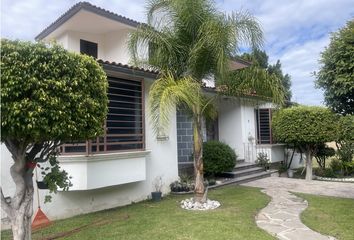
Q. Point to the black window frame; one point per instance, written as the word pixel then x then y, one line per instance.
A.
pixel 117 142
pixel 263 117
pixel 89 48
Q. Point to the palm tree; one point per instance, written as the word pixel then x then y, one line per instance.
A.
pixel 165 94
pixel 187 42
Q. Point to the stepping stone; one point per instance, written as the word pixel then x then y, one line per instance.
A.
pixel 281 217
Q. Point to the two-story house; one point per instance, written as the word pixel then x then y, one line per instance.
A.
pixel 119 167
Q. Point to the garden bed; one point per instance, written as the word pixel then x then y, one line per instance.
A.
pixel 219 181
pixel 344 179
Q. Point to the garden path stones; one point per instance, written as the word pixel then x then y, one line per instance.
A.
pixel 334 189
pixel 281 217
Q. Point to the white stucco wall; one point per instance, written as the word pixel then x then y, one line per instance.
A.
pixel 297 161
pixel 230 125
pixel 237 128
pixel 160 161
pixel 111 47
pixel 116 46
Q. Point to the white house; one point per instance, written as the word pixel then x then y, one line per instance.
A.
pixel 119 167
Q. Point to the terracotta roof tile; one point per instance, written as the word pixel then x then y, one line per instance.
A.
pixel 126 66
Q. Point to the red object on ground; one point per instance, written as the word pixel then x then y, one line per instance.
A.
pixel 40 220
pixel 31 164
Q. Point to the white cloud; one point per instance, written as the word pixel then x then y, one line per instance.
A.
pixel 295 31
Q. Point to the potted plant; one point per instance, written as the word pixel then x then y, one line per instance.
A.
pixel 156 195
pixel 263 160
pixel 290 173
pixel 42 185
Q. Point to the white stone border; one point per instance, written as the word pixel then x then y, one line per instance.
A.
pixel 350 180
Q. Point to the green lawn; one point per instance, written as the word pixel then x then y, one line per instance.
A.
pixel 329 215
pixel 166 220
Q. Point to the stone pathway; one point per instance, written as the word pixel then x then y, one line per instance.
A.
pixel 281 217
pixel 334 189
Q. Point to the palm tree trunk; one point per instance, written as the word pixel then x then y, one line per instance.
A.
pixel 198 158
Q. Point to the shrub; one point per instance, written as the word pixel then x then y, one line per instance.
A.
pixel 178 186
pixel 336 165
pixel 348 168
pixel 322 152
pixel 218 157
pixel 327 172
pixel 185 184
pixel 263 160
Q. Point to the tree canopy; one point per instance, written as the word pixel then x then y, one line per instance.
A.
pixel 192 37
pixel 336 75
pixel 50 94
pixel 261 68
pixel 305 127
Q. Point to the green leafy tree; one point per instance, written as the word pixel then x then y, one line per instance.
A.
pixel 190 41
pixel 336 75
pixel 285 79
pixel 48 96
pixel 257 57
pixel 306 127
pixel 261 75
pixel 321 153
pixel 345 140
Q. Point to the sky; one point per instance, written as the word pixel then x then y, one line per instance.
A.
pixel 296 31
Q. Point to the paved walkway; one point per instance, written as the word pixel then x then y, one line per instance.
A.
pixel 335 189
pixel 281 217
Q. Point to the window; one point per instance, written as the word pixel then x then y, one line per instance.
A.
pixel 124 127
pixel 263 126
pixel 88 48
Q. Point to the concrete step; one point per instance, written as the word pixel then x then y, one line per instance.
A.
pixel 239 161
pixel 244 165
pixel 242 172
pixel 247 178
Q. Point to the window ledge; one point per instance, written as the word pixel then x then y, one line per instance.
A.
pixel 103 170
pixel 271 145
pixel 103 156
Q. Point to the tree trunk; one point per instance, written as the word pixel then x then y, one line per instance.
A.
pixel 308 165
pixel 22 218
pixel 20 209
pixel 198 159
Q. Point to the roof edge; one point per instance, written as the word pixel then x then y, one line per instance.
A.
pixel 88 7
pixel 128 69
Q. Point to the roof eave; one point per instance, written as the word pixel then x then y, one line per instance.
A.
pixel 88 7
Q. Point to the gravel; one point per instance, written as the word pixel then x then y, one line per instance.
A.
pixel 190 204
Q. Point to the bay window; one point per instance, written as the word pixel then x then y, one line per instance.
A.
pixel 124 126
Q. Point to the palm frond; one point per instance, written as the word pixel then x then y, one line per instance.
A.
pixel 254 82
pixel 246 29
pixel 166 93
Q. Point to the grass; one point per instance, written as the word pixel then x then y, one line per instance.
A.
pixel 329 215
pixel 166 220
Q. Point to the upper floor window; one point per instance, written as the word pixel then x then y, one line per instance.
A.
pixel 124 127
pixel 263 126
pixel 88 48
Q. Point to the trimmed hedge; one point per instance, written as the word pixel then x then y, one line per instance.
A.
pixel 218 157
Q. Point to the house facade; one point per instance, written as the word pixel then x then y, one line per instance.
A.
pixel 120 167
